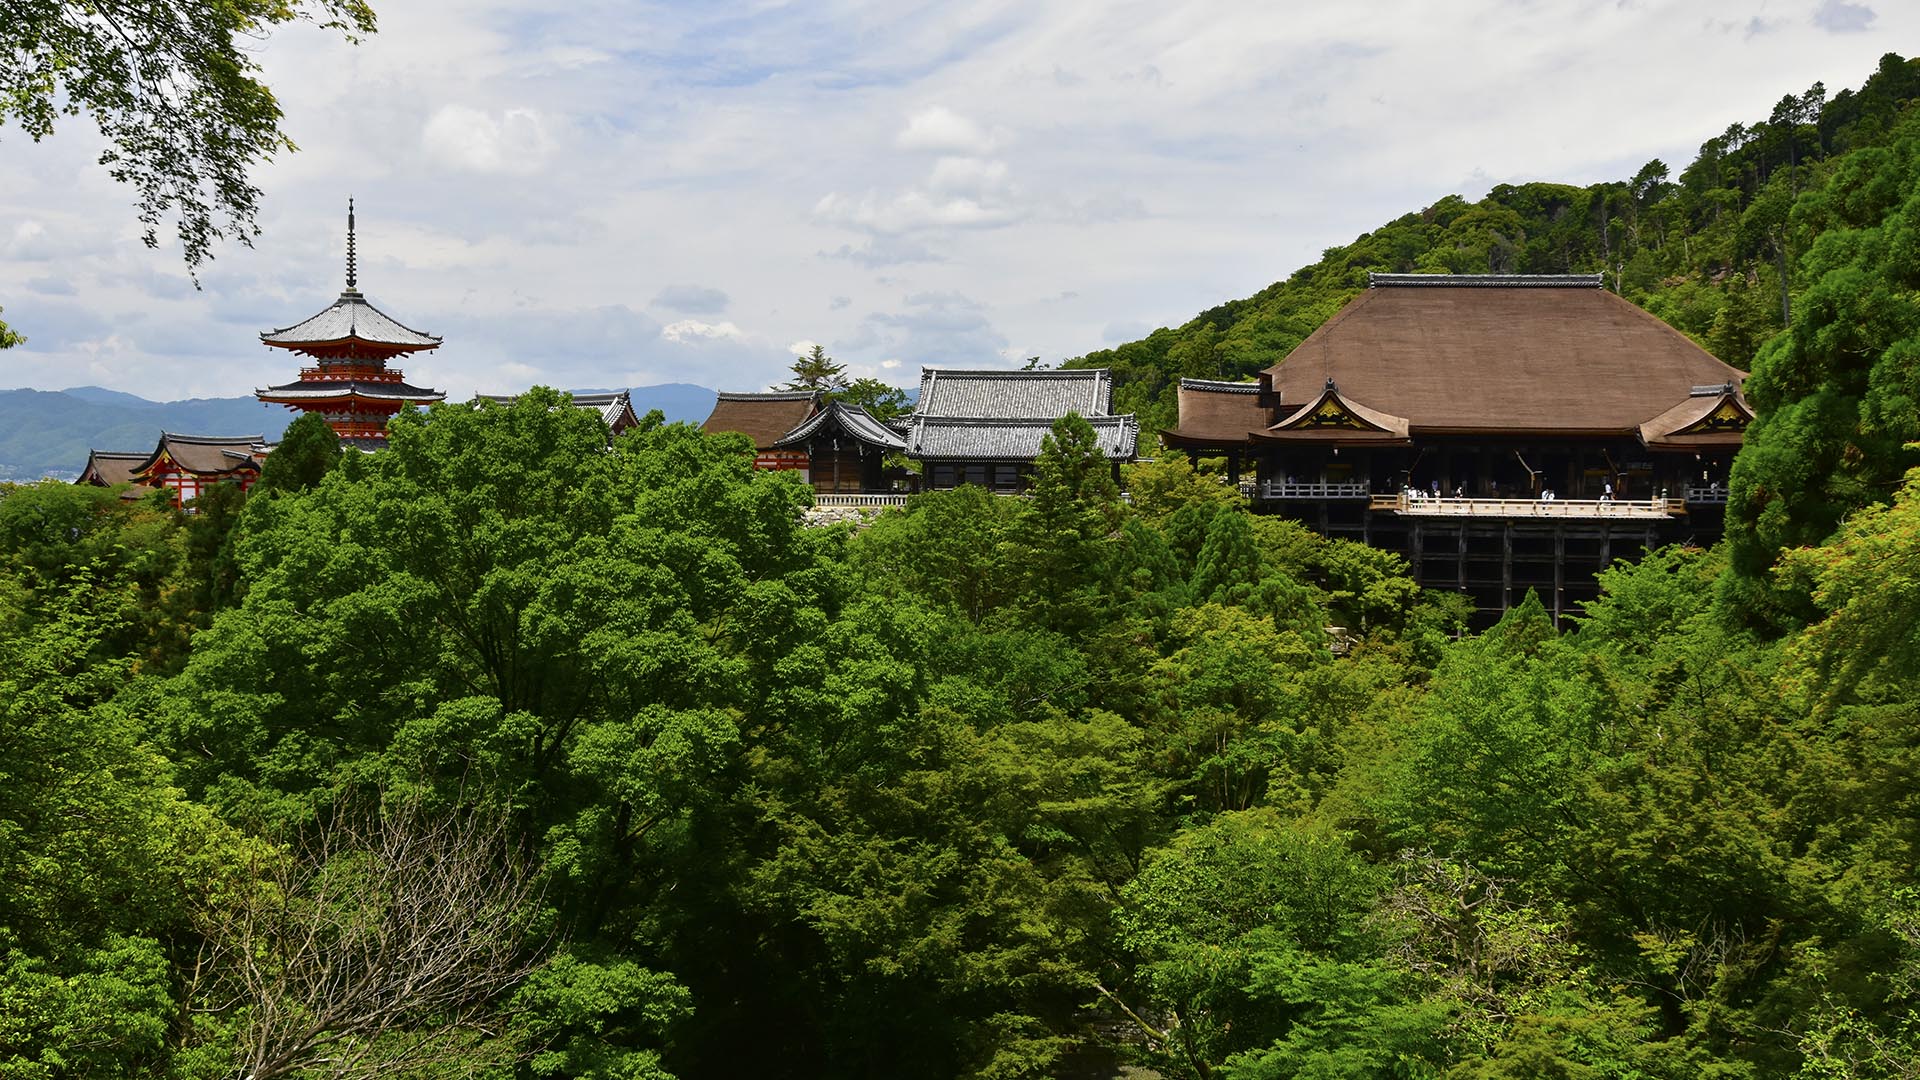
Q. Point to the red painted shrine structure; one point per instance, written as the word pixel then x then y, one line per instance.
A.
pixel 351 385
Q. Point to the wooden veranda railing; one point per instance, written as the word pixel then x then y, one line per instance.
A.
pixel 833 498
pixel 1288 489
pixel 1414 505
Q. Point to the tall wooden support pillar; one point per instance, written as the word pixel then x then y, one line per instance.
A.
pixel 1559 571
pixel 1506 564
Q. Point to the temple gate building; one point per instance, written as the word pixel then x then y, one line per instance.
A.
pixel 986 427
pixel 351 384
pixel 1504 432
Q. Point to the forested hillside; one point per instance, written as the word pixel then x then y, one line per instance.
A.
pixel 505 753
pixel 1713 250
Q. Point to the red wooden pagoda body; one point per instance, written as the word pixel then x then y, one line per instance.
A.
pixel 352 384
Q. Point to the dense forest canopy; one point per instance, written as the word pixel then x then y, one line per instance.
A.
pixel 506 752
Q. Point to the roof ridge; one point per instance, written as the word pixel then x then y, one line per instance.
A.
pixel 1229 386
pixel 766 395
pixel 1484 281
pixel 183 437
pixel 1019 373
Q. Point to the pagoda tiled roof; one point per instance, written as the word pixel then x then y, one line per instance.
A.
pixel 352 317
pixel 962 393
pixel 1498 354
pixel 1010 439
pixel 205 455
pixel 347 390
pixel 852 420
pixel 765 417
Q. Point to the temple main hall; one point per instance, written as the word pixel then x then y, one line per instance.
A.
pixel 1503 432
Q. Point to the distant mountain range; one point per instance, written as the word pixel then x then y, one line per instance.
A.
pixel 50 432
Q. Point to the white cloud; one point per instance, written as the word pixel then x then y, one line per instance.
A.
pixel 802 347
pixel 940 130
pixel 514 141
pixel 548 187
pixel 687 331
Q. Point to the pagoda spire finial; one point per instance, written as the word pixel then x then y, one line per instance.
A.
pixel 350 273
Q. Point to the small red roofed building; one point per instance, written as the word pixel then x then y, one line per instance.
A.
pixel 187 465
pixel 766 419
pixel 351 383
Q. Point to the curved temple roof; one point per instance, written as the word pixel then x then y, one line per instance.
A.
pixel 851 419
pixel 348 320
pixel 1459 354
pixel 346 389
pixel 205 455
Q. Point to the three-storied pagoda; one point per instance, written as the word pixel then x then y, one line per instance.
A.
pixel 352 386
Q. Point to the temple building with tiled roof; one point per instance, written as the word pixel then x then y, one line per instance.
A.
pixel 1505 431
pixel 106 468
pixel 187 465
pixel 986 427
pixel 351 384
pixel 613 407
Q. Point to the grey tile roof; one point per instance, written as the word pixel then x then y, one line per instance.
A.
pixel 1000 439
pixel 1015 394
pixel 344 389
pixel 614 407
pixel 351 316
pixel 852 420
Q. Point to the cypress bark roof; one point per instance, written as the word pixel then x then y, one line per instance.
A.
pixel 1218 414
pixel 1457 354
pixel 109 467
pixel 1715 416
pixel 764 418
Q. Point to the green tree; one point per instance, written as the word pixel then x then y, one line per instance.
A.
pixel 884 402
pixel 173 90
pixel 817 371
pixel 306 452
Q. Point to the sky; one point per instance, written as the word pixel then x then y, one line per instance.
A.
pixel 604 194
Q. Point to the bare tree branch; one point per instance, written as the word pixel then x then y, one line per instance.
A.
pixel 375 944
